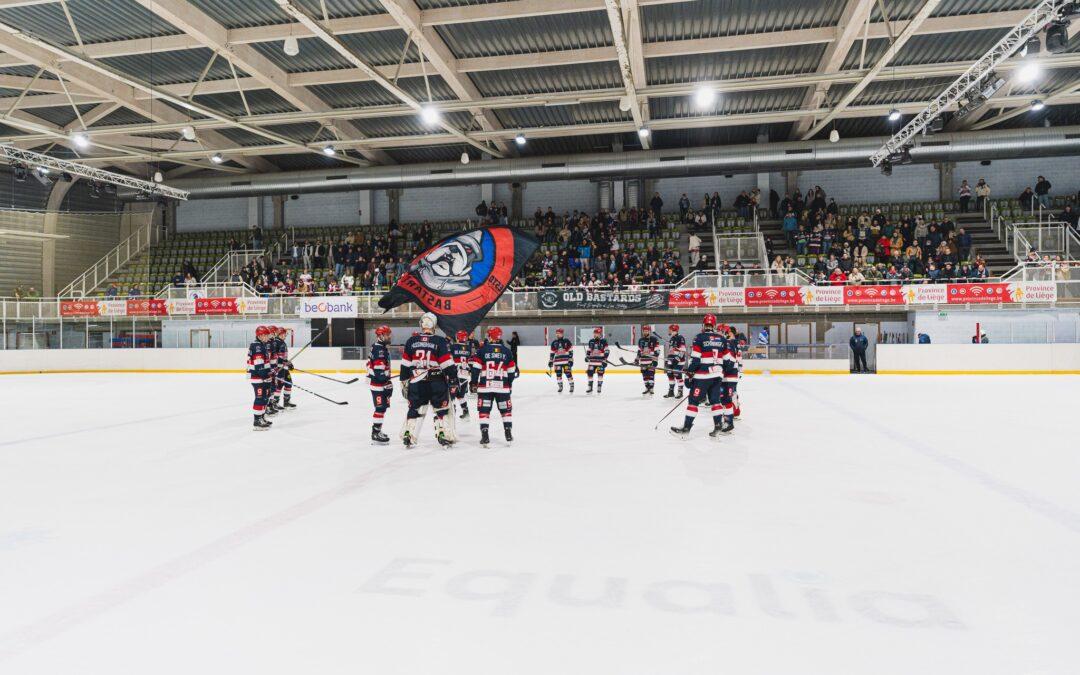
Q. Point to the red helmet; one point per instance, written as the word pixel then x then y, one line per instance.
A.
pixel 262 331
pixel 462 336
pixel 598 331
pixel 382 331
pixel 559 331
pixel 646 328
pixel 282 331
pixel 271 329
pixel 674 328
pixel 709 321
pixel 494 333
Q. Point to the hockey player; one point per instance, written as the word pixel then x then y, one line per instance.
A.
pixel 732 375
pixel 740 342
pixel 494 369
pixel 382 388
pixel 259 373
pixel 283 378
pixel 272 363
pixel 428 377
pixel 705 377
pixel 596 356
pixel 675 363
pixel 562 359
pixel 462 351
pixel 648 355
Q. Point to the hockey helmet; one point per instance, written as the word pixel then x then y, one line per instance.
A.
pixel 673 328
pixel 709 321
pixel 462 336
pixel 494 333
pixel 559 332
pixel 598 332
pixel 646 329
pixel 262 331
pixel 382 332
pixel 281 331
pixel 428 321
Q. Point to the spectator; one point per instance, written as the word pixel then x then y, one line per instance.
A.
pixel 791 227
pixel 695 248
pixel 656 203
pixel 856 277
pixel 859 344
pixel 134 291
pixel 112 291
pixel 1027 199
pixel 837 277
pixel 1042 190
pixel 684 207
pixel 515 342
pixel 982 193
pixel 963 243
pixel 763 337
pixel 774 203
pixel 1070 217
pixel 965 196
pixel 742 205
pixel 482 210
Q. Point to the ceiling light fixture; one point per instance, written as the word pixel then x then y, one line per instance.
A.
pixel 465 158
pixel 291 46
pixel 1029 72
pixel 520 140
pixel 216 158
pixel 80 140
pixel 329 151
pixel 430 114
pixel 1037 105
pixel 834 136
pixel 188 133
pixel 704 97
pixel 894 115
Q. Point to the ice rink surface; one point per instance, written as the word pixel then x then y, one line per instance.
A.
pixel 851 525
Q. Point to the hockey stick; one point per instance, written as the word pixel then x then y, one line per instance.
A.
pixel 661 420
pixel 296 386
pixel 624 362
pixel 327 377
pixel 624 348
pixel 313 339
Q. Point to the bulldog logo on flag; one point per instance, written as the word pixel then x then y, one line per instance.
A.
pixel 462 276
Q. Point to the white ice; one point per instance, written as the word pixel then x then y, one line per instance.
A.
pixel 851 525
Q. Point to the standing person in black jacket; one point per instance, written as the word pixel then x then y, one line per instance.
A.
pixel 858 344
pixel 1042 191
pixel 656 204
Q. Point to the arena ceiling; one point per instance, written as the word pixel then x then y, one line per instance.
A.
pixel 137 77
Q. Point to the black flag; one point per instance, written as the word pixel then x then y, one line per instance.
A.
pixel 461 277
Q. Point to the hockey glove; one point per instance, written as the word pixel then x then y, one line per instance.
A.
pixel 474 387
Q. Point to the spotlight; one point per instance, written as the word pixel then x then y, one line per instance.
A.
pixel 1029 72
pixel 216 158
pixel 465 158
pixel 159 177
pixel 80 140
pixel 901 156
pixel 291 46
pixel 936 125
pixel 1037 105
pixel 430 114
pixel 329 151
pixel 1057 37
pixel 20 172
pixel 625 104
pixel 188 133
pixel 704 97
pixel 886 168
pixel 1032 46
pixel 894 115
pixel 834 136
pixel 110 189
pixel 95 190
pixel 520 140
pixel 43 171
pixel 643 132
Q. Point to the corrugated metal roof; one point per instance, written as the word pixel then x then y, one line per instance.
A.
pixel 261 102
pixel 729 104
pixel 551 116
pixel 25 71
pixel 527 35
pixel 251 13
pixel 122 116
pixel 892 91
pixel 936 48
pixel 862 126
pixel 1050 81
pixel 304 132
pixel 433 153
pixel 243 138
pixel 411 124
pixel 379 48
pixel 905 9
pixel 306 160
pixel 97 21
pixel 174 67
pixel 359 94
pixel 61 115
pixel 571 144
pixel 734 65
pixel 715 18
pixel 577 77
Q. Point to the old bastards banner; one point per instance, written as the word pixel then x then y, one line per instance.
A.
pixel 461 277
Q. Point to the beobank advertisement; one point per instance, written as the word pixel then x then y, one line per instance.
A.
pixel 328 307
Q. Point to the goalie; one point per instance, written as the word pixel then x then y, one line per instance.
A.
pixel 428 378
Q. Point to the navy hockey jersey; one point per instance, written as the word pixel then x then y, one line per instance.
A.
pixel 462 352
pixel 258 361
pixel 426 354
pixel 597 352
pixel 707 356
pixel 648 351
pixel 677 348
pixel 378 367
pixel 562 353
pixel 493 368
pixel 732 363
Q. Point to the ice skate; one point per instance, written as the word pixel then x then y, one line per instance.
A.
pixel 589 389
pixel 670 392
pixel 377 436
pixel 261 424
pixel 681 432
pixel 509 435
pixel 288 405
pixel 408 440
pixel 443 440
pixel 485 440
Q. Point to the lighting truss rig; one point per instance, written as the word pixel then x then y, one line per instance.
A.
pixel 34 160
pixel 1047 11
